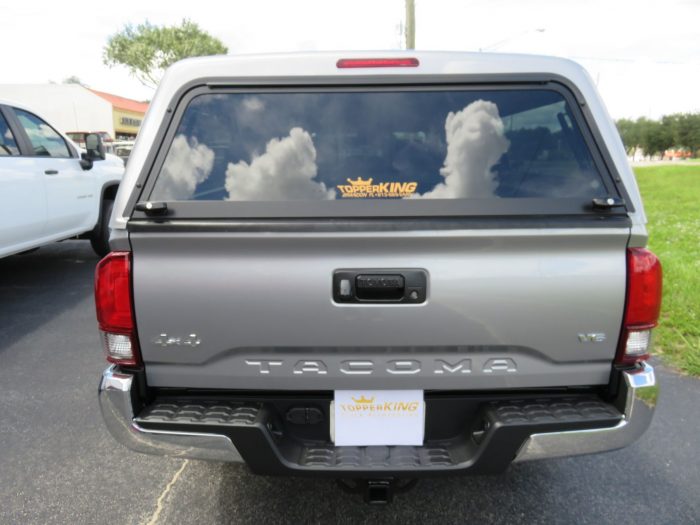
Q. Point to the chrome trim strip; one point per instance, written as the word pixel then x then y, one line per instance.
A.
pixel 638 396
pixel 116 403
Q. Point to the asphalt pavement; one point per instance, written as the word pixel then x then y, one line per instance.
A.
pixel 58 464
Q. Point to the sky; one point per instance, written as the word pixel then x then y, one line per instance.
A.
pixel 643 54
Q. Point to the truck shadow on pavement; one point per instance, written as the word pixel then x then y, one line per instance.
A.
pixel 572 490
pixel 36 287
pixel 544 492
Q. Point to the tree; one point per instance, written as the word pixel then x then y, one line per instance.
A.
pixel 655 137
pixel 686 130
pixel 679 130
pixel 629 133
pixel 73 80
pixel 147 50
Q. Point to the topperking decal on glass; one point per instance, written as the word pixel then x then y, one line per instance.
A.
pixel 365 189
pixel 378 417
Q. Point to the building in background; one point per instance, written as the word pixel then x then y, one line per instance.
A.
pixel 127 114
pixel 77 110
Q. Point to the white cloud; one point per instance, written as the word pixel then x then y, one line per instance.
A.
pixel 253 104
pixel 475 142
pixel 284 172
pixel 188 164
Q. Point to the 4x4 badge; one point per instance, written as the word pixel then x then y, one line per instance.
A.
pixel 165 340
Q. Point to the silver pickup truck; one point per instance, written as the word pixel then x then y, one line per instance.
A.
pixel 377 267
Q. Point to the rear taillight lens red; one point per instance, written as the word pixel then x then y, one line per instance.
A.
pixel 115 314
pixel 345 63
pixel 644 291
pixel 644 286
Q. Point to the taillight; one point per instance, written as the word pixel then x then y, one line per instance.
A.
pixel 115 313
pixel 344 63
pixel 642 307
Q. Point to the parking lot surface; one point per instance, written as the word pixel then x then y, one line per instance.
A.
pixel 59 465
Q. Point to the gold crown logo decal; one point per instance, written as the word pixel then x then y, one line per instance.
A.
pixel 363 400
pixel 360 182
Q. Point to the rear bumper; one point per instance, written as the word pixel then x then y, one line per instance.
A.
pixel 118 398
pixel 249 427
pixel 638 395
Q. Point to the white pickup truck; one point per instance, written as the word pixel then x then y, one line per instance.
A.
pixel 50 190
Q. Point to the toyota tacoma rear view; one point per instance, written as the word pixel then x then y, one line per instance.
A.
pixel 377 267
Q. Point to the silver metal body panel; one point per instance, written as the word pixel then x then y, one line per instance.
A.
pixel 504 309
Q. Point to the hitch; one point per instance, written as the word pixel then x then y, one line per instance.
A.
pixel 377 491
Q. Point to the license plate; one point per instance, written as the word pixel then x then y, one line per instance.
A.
pixel 378 417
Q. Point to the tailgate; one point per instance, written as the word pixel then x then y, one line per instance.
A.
pixel 504 308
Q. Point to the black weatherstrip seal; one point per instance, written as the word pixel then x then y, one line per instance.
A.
pixel 377 225
pixel 222 210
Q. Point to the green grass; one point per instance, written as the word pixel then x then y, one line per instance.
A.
pixel 672 201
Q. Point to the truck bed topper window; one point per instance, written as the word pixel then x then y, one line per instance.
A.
pixel 404 152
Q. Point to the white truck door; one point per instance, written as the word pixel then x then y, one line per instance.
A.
pixel 22 196
pixel 70 190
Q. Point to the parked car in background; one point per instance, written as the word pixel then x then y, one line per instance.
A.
pixel 50 189
pixel 122 149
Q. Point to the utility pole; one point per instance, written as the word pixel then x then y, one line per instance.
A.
pixel 410 24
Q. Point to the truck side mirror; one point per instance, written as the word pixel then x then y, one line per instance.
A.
pixel 94 146
pixel 95 150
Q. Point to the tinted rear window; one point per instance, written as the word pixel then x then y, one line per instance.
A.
pixel 324 146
